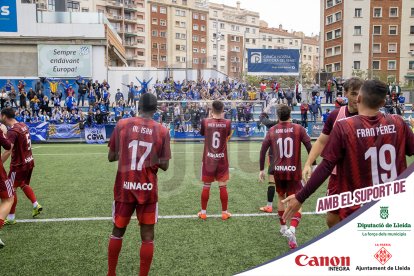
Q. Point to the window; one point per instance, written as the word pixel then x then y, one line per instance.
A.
pixel 203 39
pixel 357 65
pixel 154 8
pixel 203 17
pixel 392 47
pixel 222 58
pixel 328 68
pixel 85 10
pixel 329 19
pixel 377 30
pixel 163 22
pixel 411 47
pixel 393 12
pixel 376 48
pixel 154 33
pixel 215 13
pixel 358 13
pixel 195 27
pixel 73 6
pixel 163 10
pixel 179 47
pixel 412 12
pixel 195 50
pixel 337 50
pixel 222 47
pixel 235 49
pixel 329 52
pixel 195 38
pixel 264 46
pixel 214 46
pixel 154 21
pixel 411 30
pixel 177 59
pixel 180 12
pixel 392 65
pixel 337 33
pixel 214 58
pixel 51 5
pixel 235 38
pixel 393 30
pixel 338 16
pixel 337 66
pixel 185 2
pixel 195 15
pixel 357 47
pixel 203 28
pixel 155 45
pixel 357 30
pixel 329 36
pixel 411 65
pixel 375 65
pixel 163 58
pixel 195 60
pixel 222 25
pixel 163 34
pixel 329 3
pixel 203 50
pixel 180 36
pixel 247 30
pixel 154 57
pixel 163 46
pixel 377 12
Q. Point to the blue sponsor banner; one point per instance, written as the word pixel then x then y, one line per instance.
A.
pixel 8 16
pixel 38 131
pixel 273 62
pixel 247 130
pixel 315 129
pixel 185 131
pixel 64 131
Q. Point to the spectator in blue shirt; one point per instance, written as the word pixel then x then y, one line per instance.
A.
pixel 70 102
pixel 325 115
pixel 318 101
pixel 144 85
pixel 118 95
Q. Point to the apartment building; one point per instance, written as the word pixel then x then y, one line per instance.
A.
pixel 368 38
pixel 232 31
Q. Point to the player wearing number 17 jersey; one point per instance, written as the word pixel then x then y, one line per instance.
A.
pixel 284 139
pixel 141 146
pixel 367 149
pixel 216 131
pixel 22 162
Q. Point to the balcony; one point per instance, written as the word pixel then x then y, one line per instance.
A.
pixel 131 19
pixel 142 34
pixel 135 57
pixel 134 44
pixel 114 3
pixel 41 6
pixel 141 21
pixel 112 17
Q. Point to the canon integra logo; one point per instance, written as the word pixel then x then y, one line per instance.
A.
pixel 304 260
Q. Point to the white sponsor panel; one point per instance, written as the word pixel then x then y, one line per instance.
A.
pixel 64 61
pixel 95 135
pixel 379 241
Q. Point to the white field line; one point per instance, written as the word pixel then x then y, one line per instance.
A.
pixel 160 217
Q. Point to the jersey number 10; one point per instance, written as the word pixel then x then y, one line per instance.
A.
pixel 134 145
pixel 285 147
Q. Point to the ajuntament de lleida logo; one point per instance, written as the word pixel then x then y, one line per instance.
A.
pixel 384 212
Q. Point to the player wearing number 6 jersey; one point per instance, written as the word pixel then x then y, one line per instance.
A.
pixel 141 146
pixel 367 149
pixel 216 131
pixel 285 140
pixel 22 162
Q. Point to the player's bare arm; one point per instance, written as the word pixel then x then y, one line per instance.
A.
pixel 164 164
pixel 263 151
pixel 316 151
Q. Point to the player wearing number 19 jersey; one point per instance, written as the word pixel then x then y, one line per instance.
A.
pixel 367 149
pixel 215 167
pixel 284 139
pixel 22 162
pixel 141 146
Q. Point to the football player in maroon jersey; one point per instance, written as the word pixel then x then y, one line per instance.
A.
pixel 216 131
pixel 351 87
pixel 22 162
pixel 367 149
pixel 6 188
pixel 141 146
pixel 285 140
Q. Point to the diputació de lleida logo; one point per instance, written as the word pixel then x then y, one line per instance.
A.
pixel 384 212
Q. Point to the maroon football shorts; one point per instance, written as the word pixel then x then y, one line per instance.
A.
pixel 215 172
pixel 287 187
pixel 122 213
pixel 20 178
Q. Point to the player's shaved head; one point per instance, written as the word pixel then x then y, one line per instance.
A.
pixel 218 107
pixel 147 103
pixel 283 112
pixel 373 93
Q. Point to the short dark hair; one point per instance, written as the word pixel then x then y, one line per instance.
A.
pixel 147 103
pixel 218 107
pixel 283 112
pixel 374 93
pixel 8 112
pixel 353 84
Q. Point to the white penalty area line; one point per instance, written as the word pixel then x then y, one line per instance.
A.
pixel 159 217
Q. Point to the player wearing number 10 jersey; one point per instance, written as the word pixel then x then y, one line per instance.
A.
pixel 22 162
pixel 367 149
pixel 141 146
pixel 284 139
pixel 216 131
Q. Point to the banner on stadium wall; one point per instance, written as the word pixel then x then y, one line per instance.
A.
pixel 377 239
pixel 247 130
pixel 95 134
pixel 185 131
pixel 64 131
pixel 38 131
pixel 8 16
pixel 64 61
pixel 315 129
pixel 281 62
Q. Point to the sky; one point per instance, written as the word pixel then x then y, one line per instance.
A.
pixel 297 15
